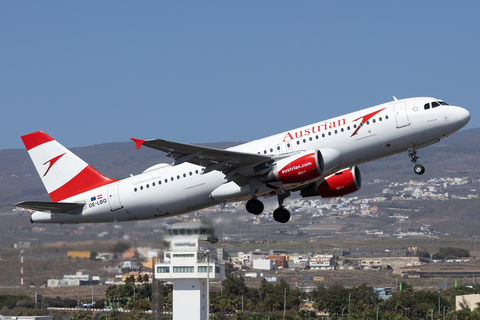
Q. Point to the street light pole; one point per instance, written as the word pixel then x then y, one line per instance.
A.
pixel 92 293
pixel 431 312
pixel 377 313
pixel 342 311
pixel 349 305
pixel 208 284
pixel 284 302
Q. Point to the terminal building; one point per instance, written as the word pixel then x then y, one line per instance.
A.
pixel 186 261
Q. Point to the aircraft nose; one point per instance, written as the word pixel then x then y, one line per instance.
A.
pixel 463 116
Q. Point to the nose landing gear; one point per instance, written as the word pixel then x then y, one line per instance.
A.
pixel 418 168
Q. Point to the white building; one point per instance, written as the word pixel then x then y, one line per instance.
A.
pixel 326 262
pixel 186 262
pixel 262 264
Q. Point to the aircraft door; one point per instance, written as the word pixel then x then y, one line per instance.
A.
pixel 401 116
pixel 278 148
pixel 287 146
pixel 113 197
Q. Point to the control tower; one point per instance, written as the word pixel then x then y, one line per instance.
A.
pixel 185 263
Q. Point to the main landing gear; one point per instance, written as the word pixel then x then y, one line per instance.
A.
pixel 418 168
pixel 255 206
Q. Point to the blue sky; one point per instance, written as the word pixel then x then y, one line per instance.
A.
pixel 106 71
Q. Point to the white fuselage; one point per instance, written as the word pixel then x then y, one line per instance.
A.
pixel 166 190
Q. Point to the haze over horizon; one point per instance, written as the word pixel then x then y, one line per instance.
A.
pixel 91 73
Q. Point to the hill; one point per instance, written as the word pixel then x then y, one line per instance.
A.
pixel 456 156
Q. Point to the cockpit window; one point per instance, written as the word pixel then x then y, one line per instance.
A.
pixel 435 104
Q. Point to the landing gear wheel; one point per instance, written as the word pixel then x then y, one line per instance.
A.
pixel 254 206
pixel 281 215
pixel 419 169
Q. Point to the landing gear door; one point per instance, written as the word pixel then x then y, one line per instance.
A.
pixel 113 197
pixel 401 116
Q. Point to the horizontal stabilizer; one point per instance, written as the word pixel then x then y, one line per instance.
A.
pixel 52 207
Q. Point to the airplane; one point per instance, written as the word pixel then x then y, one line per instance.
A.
pixel 319 159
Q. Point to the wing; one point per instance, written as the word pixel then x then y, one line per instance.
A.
pixel 210 158
pixel 51 207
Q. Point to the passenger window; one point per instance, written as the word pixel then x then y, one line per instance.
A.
pixel 288 145
pixel 298 142
pixel 323 135
pixel 159 182
pixel 354 126
pixel 135 189
pixel 166 180
pixel 190 172
pixel 336 131
pixel 178 177
pixel 148 186
pixel 264 151
pixel 172 179
pixel 348 128
pixel 278 148
pixel 316 137
pixel 310 139
pixel 329 133
pixel 141 187
pixel 304 140
pixel 386 117
pixel 341 130
pixel 380 119
pixel 374 121
pixel 153 184
pixel 271 149
pixel 184 175
pixel 368 122
pixel 196 171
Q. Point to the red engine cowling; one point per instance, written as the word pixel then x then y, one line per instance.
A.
pixel 340 183
pixel 298 168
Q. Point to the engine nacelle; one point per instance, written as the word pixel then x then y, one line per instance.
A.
pixel 340 183
pixel 297 169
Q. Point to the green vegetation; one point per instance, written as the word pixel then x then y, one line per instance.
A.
pixel 450 253
pixel 60 303
pixel 335 300
pixel 11 301
pixel 422 254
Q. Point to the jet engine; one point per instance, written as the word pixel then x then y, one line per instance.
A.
pixel 340 183
pixel 297 169
pixel 303 167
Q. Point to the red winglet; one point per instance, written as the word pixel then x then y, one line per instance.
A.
pixel 138 142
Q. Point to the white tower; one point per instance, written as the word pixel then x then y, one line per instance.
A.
pixel 185 263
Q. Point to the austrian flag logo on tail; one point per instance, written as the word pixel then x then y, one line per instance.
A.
pixel 51 162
